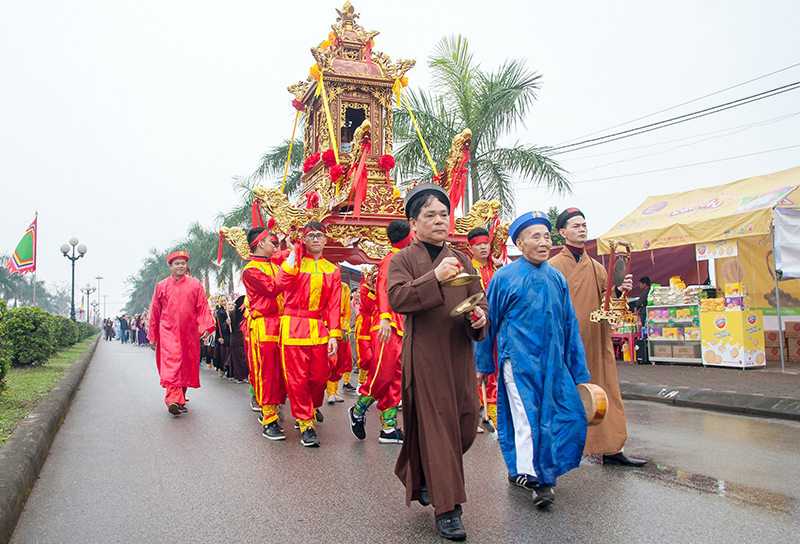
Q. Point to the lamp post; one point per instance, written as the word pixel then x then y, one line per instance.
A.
pixel 88 290
pixel 81 252
pixel 96 308
pixel 98 278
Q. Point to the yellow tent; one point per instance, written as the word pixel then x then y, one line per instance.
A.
pixel 725 212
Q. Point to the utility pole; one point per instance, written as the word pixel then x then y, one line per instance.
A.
pixel 104 306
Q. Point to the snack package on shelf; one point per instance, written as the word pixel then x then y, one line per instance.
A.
pixel 712 305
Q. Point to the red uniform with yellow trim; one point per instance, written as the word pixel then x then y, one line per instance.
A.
pixel 363 324
pixel 487 271
pixel 383 376
pixel 312 292
pixel 261 340
pixel 343 360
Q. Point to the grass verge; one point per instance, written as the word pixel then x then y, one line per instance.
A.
pixel 27 386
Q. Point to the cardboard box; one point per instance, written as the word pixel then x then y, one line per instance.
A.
pixel 773 353
pixel 691 351
pixel 792 329
pixel 773 338
pixel 662 350
pixel 733 290
pixel 733 304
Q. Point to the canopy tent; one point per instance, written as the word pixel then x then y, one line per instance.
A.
pixel 739 213
pixel 734 210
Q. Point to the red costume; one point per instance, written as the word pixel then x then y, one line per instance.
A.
pixel 263 327
pixel 383 376
pixel 343 360
pixel 362 326
pixel 311 316
pixel 179 315
pixel 487 271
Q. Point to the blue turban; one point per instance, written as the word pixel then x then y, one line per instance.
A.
pixel 526 220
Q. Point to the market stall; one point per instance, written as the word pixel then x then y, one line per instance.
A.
pixel 731 227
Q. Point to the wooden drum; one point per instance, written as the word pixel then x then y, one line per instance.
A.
pixel 594 401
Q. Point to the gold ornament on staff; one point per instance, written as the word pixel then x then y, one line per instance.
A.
pixel 615 310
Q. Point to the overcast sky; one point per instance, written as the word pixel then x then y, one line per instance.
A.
pixel 123 122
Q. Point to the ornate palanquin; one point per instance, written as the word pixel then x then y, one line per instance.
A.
pixel 347 105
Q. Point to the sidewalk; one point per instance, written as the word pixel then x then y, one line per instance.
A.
pixel 763 392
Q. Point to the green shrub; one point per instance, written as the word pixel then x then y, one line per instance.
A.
pixel 28 336
pixel 85 330
pixel 63 331
pixel 4 361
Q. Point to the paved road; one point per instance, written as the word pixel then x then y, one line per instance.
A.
pixel 122 469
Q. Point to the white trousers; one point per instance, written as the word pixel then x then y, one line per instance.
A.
pixel 523 440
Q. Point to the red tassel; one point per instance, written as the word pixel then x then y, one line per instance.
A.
pixel 360 180
pixel 457 186
pixel 219 251
pixel 271 224
pixel 255 216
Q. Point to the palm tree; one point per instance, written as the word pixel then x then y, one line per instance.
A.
pixel 143 283
pixel 491 105
pixel 273 165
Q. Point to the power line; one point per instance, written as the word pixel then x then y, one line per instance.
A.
pixel 683 104
pixel 686 165
pixel 673 121
pixel 740 130
pixel 744 127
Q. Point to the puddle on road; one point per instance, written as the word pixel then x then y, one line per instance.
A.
pixel 744 495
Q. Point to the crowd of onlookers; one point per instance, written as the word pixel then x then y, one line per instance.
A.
pixel 129 330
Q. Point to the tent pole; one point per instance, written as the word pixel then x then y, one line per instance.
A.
pixel 778 300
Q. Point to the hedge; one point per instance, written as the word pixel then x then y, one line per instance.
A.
pixel 4 360
pixel 29 336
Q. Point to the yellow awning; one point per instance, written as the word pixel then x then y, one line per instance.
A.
pixel 741 208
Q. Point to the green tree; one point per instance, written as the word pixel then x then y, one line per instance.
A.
pixel 492 105
pixel 273 164
pixel 552 214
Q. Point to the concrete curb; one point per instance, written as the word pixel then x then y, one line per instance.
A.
pixel 24 453
pixel 737 403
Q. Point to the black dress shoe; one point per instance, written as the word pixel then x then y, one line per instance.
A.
pixel 451 528
pixel 622 459
pixel 424 498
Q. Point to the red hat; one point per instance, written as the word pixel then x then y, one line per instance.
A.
pixel 180 254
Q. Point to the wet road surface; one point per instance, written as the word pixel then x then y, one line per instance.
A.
pixel 122 469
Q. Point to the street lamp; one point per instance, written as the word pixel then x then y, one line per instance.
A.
pixel 96 317
pixel 98 278
pixel 88 290
pixel 81 252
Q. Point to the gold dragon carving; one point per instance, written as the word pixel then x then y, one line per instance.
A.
pixel 237 238
pixel 481 214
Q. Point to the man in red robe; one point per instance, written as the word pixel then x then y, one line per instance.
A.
pixel 263 324
pixel 343 361
pixel 383 376
pixel 480 245
pixel 179 316
pixel 366 308
pixel 312 291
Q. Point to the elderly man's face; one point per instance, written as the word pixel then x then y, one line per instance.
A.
pixel 433 222
pixel 534 243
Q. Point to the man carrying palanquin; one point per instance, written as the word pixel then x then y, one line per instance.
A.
pixel 312 294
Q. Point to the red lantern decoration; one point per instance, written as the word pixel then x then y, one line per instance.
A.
pixel 310 163
pixel 329 157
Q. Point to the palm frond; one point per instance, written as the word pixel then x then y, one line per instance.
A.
pixel 454 74
pixel 504 99
pixel 532 166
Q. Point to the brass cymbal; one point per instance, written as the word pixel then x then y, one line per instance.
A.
pixel 466 305
pixel 460 279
